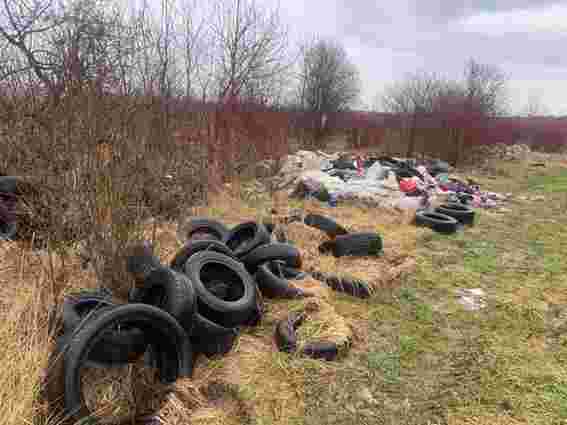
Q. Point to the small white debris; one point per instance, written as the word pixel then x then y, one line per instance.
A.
pixel 471 299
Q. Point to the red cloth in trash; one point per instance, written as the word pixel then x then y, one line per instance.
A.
pixel 408 185
pixel 359 166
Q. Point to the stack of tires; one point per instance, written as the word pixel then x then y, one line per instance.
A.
pixel 446 218
pixel 197 304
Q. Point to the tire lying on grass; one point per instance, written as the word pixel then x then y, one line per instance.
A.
pixel 273 252
pixel 212 229
pixel 279 268
pixel 246 236
pixel 209 271
pixel 440 223
pixel 353 244
pixel 325 224
pixel 8 230
pixel 141 261
pixel 465 198
pixel 286 340
pixel 173 351
pixel 272 286
pixel 117 347
pixel 170 291
pixel 462 213
pixel 346 284
pixel 210 338
pixel 195 246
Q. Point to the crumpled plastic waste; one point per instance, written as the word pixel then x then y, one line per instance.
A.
pixel 377 172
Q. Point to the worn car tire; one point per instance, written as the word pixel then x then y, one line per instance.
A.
pixel 246 236
pixel 77 306
pixel 141 261
pixel 206 269
pixel 346 284
pixel 440 223
pixel 8 230
pixel 172 292
pixel 465 198
pixel 353 244
pixel 272 286
pixel 9 184
pixel 272 252
pixel 215 229
pixel 279 268
pixel 325 224
pixel 286 340
pixel 174 356
pixel 210 338
pixel 462 213
pixel 195 246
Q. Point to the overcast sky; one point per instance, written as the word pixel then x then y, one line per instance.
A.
pixel 526 38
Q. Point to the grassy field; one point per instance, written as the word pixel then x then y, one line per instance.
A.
pixel 417 356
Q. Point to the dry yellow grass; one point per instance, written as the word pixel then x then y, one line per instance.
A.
pixel 258 381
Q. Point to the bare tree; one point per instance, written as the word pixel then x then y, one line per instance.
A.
pixel 250 46
pixel 192 38
pixel 413 100
pixel 485 88
pixel 328 80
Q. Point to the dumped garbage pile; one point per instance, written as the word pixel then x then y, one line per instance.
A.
pixel 377 181
pixel 198 303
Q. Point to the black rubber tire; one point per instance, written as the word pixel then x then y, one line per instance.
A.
pixel 172 292
pixel 462 213
pixel 9 184
pixel 440 223
pixel 273 252
pixel 280 269
pixel 195 246
pixel 8 230
pixel 346 284
pixel 207 268
pixel 247 236
pixel 210 338
pixel 141 261
pixel 272 286
pixel 77 306
pixel 286 340
pixel 465 198
pixel 214 228
pixel 118 346
pixel 353 244
pixel 343 164
pixel 174 356
pixel 325 224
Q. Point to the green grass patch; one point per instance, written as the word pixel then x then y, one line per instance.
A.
pixel 549 183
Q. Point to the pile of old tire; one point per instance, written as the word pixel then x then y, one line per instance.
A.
pixel 342 243
pixel 99 332
pixel 461 212
pixel 286 340
pixel 195 305
pixel 446 218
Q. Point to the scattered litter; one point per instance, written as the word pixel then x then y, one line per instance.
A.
pixel 471 299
